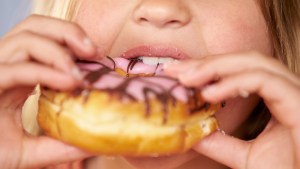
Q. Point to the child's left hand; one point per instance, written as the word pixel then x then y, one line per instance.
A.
pixel 278 146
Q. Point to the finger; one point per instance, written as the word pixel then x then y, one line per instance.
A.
pixel 225 149
pixel 30 46
pixel 62 31
pixel 44 151
pixel 202 71
pixel 30 74
pixel 70 165
pixel 279 93
pixel 173 69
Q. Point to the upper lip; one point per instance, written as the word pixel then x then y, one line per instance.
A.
pixel 154 51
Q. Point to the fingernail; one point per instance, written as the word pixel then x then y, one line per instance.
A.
pixel 87 42
pixel 244 94
pixel 76 73
pixel 209 90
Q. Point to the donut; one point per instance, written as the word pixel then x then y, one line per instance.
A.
pixel 121 111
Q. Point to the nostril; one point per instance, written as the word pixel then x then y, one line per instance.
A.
pixel 143 20
pixel 173 22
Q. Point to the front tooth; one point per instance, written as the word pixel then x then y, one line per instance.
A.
pixel 155 60
pixel 150 60
pixel 165 60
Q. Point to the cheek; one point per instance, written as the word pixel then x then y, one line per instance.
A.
pixel 236 38
pixel 237 27
pixel 101 21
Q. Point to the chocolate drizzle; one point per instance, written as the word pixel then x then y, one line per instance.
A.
pixel 93 76
pixel 122 89
pixel 195 103
pixel 131 65
pixel 151 89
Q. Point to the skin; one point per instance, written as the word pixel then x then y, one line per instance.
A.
pixel 192 27
pixel 227 40
pixel 40 48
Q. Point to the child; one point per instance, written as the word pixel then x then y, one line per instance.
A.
pixel 233 43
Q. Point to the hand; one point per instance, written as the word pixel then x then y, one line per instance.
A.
pixel 278 146
pixel 38 51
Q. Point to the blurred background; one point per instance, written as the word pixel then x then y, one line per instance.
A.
pixel 12 12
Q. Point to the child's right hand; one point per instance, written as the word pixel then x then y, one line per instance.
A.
pixel 37 51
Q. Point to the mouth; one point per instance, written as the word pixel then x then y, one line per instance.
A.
pixel 147 60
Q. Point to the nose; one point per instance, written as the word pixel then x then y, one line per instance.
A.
pixel 162 13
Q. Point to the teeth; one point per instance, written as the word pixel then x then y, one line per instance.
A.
pixel 155 60
pixel 150 60
pixel 166 60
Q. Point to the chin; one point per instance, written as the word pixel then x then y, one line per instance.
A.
pixel 167 162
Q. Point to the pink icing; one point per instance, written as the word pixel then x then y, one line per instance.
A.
pixel 158 84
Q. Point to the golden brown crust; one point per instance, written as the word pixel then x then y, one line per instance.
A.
pixel 102 124
pixel 125 74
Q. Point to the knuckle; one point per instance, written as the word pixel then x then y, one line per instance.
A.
pixel 262 73
pixel 267 77
pixel 25 34
pixel 33 18
pixel 74 29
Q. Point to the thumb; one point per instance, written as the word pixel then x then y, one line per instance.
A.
pixel 43 151
pixel 224 149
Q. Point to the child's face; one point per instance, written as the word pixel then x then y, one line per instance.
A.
pixel 198 28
